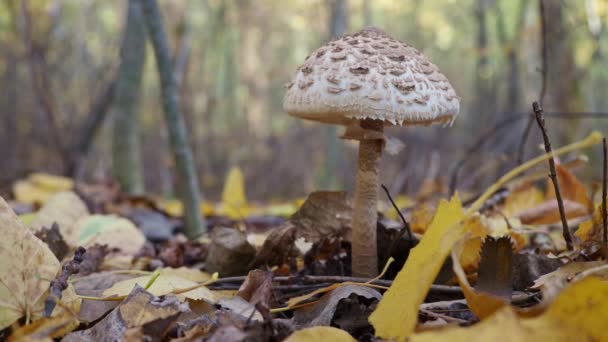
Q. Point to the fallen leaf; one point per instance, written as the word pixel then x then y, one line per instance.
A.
pixel 320 334
pixel 570 188
pixel 551 284
pixel 234 203
pixel 592 229
pixel 52 237
pixel 65 209
pixel 46 328
pixel 257 288
pixel 26 270
pixel 324 214
pixel 39 187
pixel 323 311
pixel 163 285
pixel 191 274
pixel 139 309
pixel 114 231
pixel 229 252
pixel 397 312
pixel 577 314
pixel 548 212
pixel 278 247
pixel 93 285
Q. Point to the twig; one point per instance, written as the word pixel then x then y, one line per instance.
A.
pixel 40 83
pixel 544 73
pixel 446 318
pixel 513 117
pixel 604 194
pixel 61 282
pixel 445 289
pixel 538 113
pixel 406 225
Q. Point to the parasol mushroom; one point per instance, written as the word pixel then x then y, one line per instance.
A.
pixel 365 81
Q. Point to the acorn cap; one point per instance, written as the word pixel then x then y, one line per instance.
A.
pixel 369 75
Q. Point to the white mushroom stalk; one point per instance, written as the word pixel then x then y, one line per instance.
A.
pixel 369 80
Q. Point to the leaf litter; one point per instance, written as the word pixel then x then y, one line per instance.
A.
pixel 282 271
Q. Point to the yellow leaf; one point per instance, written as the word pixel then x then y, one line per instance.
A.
pixel 469 258
pixel 183 272
pixel 175 208
pixel 39 187
pixel 51 182
pixel 571 188
pixel 161 286
pixel 234 203
pixel 481 304
pixel 577 314
pixel 64 208
pixel 592 229
pixel 26 270
pixel 320 334
pixel 421 218
pixel 114 231
pixel 397 312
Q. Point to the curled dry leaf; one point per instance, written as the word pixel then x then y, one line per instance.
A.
pixel 323 312
pixel 551 284
pixel 139 309
pixel 229 252
pixel 26 270
pixel 93 285
pixel 324 214
pixel 257 288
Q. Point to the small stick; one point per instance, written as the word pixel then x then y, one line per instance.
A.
pixel 538 113
pixel 406 225
pixel 604 194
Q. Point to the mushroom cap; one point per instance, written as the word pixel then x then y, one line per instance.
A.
pixel 370 75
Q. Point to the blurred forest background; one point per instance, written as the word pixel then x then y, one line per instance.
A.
pixel 60 67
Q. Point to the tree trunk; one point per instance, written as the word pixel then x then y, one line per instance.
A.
pixel 188 187
pixel 126 156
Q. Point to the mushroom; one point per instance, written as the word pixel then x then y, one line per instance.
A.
pixel 365 81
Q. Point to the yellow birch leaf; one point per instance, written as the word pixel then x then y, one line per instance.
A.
pixel 163 285
pixel 26 270
pixel 577 314
pixel 234 203
pixel 320 334
pixel 397 313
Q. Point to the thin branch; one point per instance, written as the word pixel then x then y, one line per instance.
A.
pixel 93 122
pixel 406 225
pixel 604 194
pixel 544 73
pixel 538 114
pixel 512 118
pixel 40 83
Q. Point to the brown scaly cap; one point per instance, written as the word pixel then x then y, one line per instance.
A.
pixel 369 75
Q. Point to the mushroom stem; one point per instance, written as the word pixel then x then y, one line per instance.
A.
pixel 365 215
